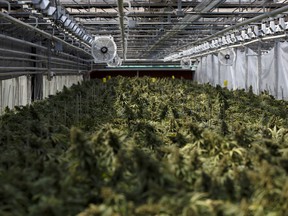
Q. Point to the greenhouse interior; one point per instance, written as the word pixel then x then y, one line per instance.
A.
pixel 144 107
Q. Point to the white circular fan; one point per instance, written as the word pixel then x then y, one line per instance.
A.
pixel 116 62
pixel 227 56
pixel 185 63
pixel 103 49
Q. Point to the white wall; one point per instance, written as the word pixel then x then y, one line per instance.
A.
pixel 271 75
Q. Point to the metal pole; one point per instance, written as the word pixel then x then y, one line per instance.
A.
pixel 212 69
pixel 1 97
pixel 276 67
pixel 206 69
pixel 179 5
pixel 21 41
pixel 38 55
pixel 122 26
pixel 219 74
pixel 28 83
pixel 17 91
pixel 246 68
pixel 259 69
pixel 201 72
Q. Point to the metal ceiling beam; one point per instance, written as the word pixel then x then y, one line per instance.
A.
pixel 151 17
pixel 133 4
pixel 122 27
pixel 174 5
pixel 41 32
pixel 204 6
pixel 113 15
pixel 105 22
pixel 246 22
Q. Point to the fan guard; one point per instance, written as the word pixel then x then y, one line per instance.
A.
pixel 227 57
pixel 103 49
pixel 185 63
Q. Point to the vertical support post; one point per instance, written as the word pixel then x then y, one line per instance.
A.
pixel 219 74
pixel 17 92
pixel 259 69
pixel 49 75
pixel 200 80
pixel 206 69
pixel 246 69
pixel 212 70
pixel 13 96
pixel 37 79
pixel 276 67
pixel 29 87
pixel 1 97
pixel 179 7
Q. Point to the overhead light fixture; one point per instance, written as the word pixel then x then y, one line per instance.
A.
pixel 37 2
pixel 77 30
pixel 224 41
pixel 72 24
pixel 250 32
pixel 233 38
pixel 271 28
pixel 256 31
pixel 51 10
pixel 63 18
pixel 228 39
pixel 244 35
pixel 282 23
pixel 67 22
pixel 239 38
pixel 207 45
pixel 83 34
pixel 42 4
pixel 75 27
pixel 263 29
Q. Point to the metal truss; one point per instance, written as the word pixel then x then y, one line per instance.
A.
pixel 142 29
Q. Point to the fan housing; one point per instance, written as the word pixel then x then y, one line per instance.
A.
pixel 103 49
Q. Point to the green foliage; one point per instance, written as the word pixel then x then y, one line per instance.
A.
pixel 135 147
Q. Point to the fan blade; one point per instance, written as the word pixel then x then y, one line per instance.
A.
pixel 106 56
pixel 97 47
pixel 107 43
pixel 110 46
pixel 221 55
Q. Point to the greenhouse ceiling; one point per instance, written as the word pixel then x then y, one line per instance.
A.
pixel 142 29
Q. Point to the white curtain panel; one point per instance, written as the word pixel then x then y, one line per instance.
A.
pixel 15 92
pixel 57 83
pixel 246 71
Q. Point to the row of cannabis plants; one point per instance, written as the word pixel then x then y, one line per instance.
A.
pixel 136 146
